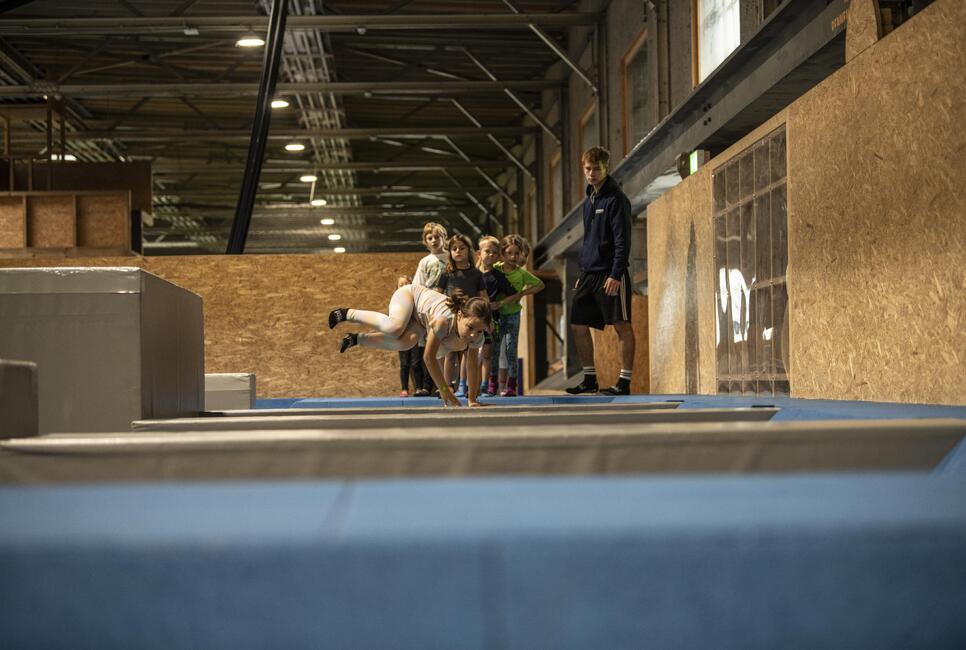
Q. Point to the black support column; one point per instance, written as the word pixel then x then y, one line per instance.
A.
pixel 263 118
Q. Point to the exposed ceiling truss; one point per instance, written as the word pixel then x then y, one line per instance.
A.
pixel 408 111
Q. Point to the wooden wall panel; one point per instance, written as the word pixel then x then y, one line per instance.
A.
pixel 13 223
pixel 877 264
pixel 266 314
pixel 104 220
pixel 877 228
pixel 607 357
pixel 51 222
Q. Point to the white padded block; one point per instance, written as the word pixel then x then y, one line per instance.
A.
pixel 111 345
pixel 229 391
pixel 18 399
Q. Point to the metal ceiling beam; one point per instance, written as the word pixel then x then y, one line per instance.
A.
pixel 192 135
pixel 359 24
pixel 366 88
pixel 173 167
pixel 552 44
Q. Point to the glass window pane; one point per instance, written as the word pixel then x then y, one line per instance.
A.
pixel 779 232
pixel 718 184
pixel 637 123
pixel 761 167
pixel 777 152
pixel 719 33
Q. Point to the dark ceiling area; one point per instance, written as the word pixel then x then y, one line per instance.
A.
pixel 408 111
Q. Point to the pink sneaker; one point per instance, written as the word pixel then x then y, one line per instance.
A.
pixel 491 387
pixel 511 388
pixel 404 393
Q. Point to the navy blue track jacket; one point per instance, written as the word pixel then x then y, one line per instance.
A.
pixel 607 230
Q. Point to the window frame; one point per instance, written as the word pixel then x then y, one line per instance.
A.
pixel 639 41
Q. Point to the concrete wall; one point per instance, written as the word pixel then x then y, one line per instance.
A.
pixel 876 229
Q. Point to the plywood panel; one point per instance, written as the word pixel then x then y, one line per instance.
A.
pixel 877 263
pixel 607 357
pixel 13 224
pixel 877 233
pixel 51 222
pixel 104 220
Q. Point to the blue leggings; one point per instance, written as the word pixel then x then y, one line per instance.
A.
pixel 509 328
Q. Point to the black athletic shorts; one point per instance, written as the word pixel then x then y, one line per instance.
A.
pixel 594 308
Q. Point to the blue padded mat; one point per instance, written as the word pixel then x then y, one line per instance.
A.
pixel 791 408
pixel 873 561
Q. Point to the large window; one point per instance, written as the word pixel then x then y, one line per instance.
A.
pixel 635 123
pixel 751 254
pixel 716 32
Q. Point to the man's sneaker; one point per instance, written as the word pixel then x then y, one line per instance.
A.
pixel 337 316
pixel 348 341
pixel 583 387
pixel 622 387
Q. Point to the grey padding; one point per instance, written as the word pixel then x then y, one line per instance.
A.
pixel 400 451
pixel 111 345
pixel 18 399
pixel 229 390
pixel 494 418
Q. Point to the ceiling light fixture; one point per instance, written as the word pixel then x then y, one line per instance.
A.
pixel 279 103
pixel 338 249
pixel 308 178
pixel 250 40
pixel 295 146
pixel 327 222
pixel 335 237
pixel 319 203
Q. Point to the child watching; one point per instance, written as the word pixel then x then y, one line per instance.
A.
pixel 428 273
pixel 499 291
pixel 461 275
pixel 409 360
pixel 515 250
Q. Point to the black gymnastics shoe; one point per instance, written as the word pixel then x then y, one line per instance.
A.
pixel 349 341
pixel 583 387
pixel 622 387
pixel 337 316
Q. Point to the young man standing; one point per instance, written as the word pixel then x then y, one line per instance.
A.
pixel 602 295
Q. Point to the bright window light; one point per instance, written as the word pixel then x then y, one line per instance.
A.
pixel 250 40
pixel 327 222
pixel 335 237
pixel 295 146
pixel 338 249
pixel 319 202
pixel 279 103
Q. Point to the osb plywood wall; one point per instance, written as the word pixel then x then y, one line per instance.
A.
pixel 607 358
pixel 877 229
pixel 267 314
pixel 878 244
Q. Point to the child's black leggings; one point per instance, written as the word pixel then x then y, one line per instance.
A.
pixel 410 361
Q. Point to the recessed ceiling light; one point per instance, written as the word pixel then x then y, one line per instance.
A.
pixel 295 146
pixel 327 222
pixel 335 237
pixel 250 40
pixel 308 178
pixel 319 202
pixel 69 157
pixel 338 249
pixel 279 103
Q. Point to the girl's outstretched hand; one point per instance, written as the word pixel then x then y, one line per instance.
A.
pixel 449 399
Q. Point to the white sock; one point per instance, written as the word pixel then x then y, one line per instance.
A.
pixel 625 374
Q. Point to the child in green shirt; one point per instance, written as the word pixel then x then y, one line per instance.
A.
pixel 515 251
